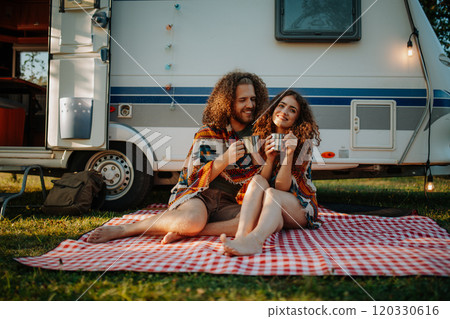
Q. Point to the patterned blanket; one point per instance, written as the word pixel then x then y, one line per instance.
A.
pixel 356 245
pixel 208 144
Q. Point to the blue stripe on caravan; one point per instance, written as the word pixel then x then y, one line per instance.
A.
pixel 145 99
pixel 441 94
pixel 355 92
pixel 348 100
pixel 157 90
pixel 184 99
pixel 345 92
pixel 441 102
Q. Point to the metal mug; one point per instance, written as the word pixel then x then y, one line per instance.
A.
pixel 251 143
pixel 279 143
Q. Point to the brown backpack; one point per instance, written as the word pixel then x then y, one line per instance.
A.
pixel 75 193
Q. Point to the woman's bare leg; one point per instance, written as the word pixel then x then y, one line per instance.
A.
pixel 277 207
pixel 188 219
pixel 251 206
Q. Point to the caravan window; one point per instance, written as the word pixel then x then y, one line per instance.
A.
pixel 318 20
pixel 32 66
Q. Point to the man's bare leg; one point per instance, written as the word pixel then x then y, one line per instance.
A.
pixel 271 220
pixel 188 219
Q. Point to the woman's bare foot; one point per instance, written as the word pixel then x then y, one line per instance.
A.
pixel 171 237
pixel 243 246
pixel 105 233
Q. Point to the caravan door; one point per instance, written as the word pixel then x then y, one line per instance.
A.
pixel 79 74
pixel 373 124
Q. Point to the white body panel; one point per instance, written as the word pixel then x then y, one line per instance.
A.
pixel 209 38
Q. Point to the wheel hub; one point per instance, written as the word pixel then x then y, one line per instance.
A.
pixel 116 170
pixel 113 174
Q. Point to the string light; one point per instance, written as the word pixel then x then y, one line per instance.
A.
pixel 410 44
pixel 410 51
pixel 430 184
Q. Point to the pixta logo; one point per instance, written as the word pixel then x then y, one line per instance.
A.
pixel 141 149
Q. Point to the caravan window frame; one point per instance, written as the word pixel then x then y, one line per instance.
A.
pixel 307 34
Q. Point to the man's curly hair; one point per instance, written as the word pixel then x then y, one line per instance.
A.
pixel 219 107
pixel 304 128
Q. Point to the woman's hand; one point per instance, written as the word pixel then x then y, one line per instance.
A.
pixel 269 143
pixel 234 152
pixel 291 141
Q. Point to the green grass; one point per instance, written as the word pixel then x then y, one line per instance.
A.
pixel 29 232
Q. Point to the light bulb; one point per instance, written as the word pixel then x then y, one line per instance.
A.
pixel 410 51
pixel 430 185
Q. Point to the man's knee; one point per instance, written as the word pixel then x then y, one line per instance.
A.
pixel 191 223
pixel 191 218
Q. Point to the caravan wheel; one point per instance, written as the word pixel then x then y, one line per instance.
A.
pixel 126 187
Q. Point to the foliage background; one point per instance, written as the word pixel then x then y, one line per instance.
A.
pixel 438 14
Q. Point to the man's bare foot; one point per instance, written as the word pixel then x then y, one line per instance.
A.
pixel 105 233
pixel 243 246
pixel 171 237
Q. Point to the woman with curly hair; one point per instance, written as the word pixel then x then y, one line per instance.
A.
pixel 283 195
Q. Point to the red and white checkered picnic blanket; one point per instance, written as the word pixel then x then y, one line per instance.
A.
pixel 344 245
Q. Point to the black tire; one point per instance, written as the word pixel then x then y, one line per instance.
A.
pixel 126 185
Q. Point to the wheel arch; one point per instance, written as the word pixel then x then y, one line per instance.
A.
pixel 118 132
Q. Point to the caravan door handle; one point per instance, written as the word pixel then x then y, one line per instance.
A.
pixel 356 124
pixel 100 19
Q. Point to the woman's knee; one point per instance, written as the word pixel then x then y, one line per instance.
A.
pixel 271 196
pixel 258 183
pixel 271 199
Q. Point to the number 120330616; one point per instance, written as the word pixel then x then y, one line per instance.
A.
pixel 405 310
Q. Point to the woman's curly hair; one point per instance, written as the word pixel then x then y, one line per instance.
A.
pixel 304 128
pixel 219 107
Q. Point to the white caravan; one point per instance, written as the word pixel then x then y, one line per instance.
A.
pixel 128 81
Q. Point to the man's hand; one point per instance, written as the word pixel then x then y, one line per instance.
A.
pixel 234 152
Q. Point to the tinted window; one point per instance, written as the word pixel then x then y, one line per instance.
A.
pixel 318 20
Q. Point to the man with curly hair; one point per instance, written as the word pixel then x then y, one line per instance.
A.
pixel 209 191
